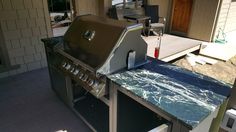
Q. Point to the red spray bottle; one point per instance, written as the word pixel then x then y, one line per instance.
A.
pixel 157 48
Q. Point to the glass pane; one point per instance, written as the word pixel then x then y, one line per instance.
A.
pixel 114 2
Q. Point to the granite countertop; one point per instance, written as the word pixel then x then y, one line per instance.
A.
pixel 185 95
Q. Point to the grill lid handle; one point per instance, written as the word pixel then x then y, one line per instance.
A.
pixel 131 59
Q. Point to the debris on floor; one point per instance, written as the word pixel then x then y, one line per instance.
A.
pixel 193 59
pixel 208 60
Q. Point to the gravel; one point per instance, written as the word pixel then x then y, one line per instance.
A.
pixel 223 71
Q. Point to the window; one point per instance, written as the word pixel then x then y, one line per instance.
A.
pixel 58 5
pixel 115 2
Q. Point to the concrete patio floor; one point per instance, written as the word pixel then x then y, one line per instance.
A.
pixel 27 104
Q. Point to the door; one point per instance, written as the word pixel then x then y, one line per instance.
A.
pixel 181 16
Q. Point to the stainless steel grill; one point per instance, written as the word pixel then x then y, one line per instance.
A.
pixel 94 47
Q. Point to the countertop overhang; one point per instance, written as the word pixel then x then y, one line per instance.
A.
pixel 185 95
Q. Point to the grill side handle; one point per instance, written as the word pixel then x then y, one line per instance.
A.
pixel 130 40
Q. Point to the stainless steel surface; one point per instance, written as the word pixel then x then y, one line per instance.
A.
pixel 91 39
pixel 94 47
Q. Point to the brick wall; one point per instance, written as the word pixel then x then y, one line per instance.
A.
pixel 23 23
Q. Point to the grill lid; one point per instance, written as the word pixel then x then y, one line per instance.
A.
pixel 103 44
pixel 91 38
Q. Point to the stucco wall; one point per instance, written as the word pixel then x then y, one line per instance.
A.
pixel 203 19
pixel 23 23
pixel 163 5
pixel 231 18
pixel 227 18
pixel 87 7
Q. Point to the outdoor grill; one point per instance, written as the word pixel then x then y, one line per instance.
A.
pixel 94 47
pixel 95 68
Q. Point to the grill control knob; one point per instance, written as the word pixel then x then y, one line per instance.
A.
pixel 81 75
pixel 64 64
pixel 72 70
pixel 85 78
pixel 68 66
pixel 76 72
pixel 95 84
pixel 90 82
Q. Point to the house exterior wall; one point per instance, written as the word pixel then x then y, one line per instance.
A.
pixel 203 19
pixel 164 10
pixel 23 24
pixel 223 13
pixel 227 17
pixel 231 18
pixel 87 7
pixel 163 5
pixel 207 17
pixel 95 7
pixel 104 5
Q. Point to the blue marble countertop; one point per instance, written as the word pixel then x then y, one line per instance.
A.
pixel 189 97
